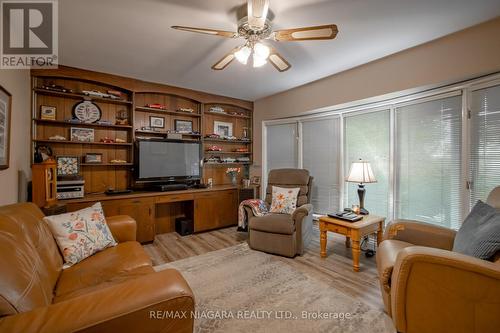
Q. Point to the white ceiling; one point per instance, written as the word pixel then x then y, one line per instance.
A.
pixel 133 38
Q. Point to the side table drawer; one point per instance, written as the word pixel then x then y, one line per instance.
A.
pixel 337 229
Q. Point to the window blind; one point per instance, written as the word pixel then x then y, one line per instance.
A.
pixel 485 142
pixel 282 151
pixel 367 136
pixel 321 156
pixel 428 161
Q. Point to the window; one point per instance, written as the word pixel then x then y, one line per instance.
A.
pixel 422 148
pixel 428 161
pixel 367 136
pixel 485 142
pixel 282 151
pixel 321 156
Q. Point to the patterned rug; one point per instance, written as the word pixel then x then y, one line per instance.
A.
pixel 240 290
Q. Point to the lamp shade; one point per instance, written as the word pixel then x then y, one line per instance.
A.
pixel 361 172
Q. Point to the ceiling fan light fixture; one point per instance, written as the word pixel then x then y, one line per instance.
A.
pixel 243 54
pixel 262 50
pixel 258 61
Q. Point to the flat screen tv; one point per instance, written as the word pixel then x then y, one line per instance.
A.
pixel 160 161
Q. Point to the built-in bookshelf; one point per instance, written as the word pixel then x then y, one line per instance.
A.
pixel 143 104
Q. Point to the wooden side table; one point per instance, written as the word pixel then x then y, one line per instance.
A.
pixel 354 231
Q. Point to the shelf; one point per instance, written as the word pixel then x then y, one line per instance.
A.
pixel 80 96
pixel 164 133
pixel 106 164
pixel 158 111
pixel 226 115
pixel 232 163
pixel 227 141
pixel 228 152
pixel 82 143
pixel 66 123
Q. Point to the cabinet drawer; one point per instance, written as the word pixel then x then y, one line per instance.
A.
pixel 175 198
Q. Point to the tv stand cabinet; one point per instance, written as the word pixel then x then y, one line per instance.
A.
pixel 155 212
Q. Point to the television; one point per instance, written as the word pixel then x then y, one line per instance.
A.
pixel 167 161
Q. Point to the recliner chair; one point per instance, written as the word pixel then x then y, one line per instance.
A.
pixel 283 234
pixel 427 288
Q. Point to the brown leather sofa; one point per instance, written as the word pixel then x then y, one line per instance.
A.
pixel 115 290
pixel 427 288
pixel 283 234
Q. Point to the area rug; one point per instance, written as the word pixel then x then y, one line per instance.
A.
pixel 241 290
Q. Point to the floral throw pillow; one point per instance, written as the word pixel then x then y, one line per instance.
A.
pixel 284 200
pixel 80 234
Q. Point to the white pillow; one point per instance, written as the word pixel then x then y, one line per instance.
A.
pixel 80 234
pixel 284 200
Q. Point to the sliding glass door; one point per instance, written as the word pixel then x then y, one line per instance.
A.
pixel 367 136
pixel 321 156
pixel 428 161
pixel 485 142
pixel 281 147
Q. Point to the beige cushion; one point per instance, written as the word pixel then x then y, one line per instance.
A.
pixel 80 234
pixel 289 178
pixel 273 223
pixel 284 200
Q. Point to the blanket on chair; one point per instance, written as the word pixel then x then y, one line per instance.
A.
pixel 258 206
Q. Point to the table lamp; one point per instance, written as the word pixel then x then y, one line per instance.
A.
pixel 361 173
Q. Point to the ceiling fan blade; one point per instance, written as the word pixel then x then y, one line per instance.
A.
pixel 226 60
pixel 278 61
pixel 213 32
pixel 321 32
pixel 257 13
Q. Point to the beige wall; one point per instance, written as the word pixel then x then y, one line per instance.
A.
pixel 17 83
pixel 462 55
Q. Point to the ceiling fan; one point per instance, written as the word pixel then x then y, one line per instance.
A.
pixel 255 27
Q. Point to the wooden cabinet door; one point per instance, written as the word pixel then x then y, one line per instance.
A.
pixel 141 210
pixel 215 210
pixel 205 212
pixel 227 202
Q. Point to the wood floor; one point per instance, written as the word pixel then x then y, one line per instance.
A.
pixel 335 270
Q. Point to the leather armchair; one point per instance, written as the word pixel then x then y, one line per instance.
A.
pixel 428 288
pixel 283 234
pixel 114 290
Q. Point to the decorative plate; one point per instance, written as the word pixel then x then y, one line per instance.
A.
pixel 87 112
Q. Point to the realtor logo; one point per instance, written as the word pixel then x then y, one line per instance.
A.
pixel 29 34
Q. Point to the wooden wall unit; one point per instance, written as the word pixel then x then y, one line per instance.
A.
pixel 155 212
pixel 136 93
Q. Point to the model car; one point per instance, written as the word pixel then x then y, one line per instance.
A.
pixel 156 106
pixel 107 140
pixel 214 148
pixel 55 87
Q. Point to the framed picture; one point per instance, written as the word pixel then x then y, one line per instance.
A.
pixel 183 126
pixel 48 112
pixel 82 134
pixel 255 180
pixel 5 107
pixel 68 166
pixel 223 129
pixel 156 122
pixel 94 158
